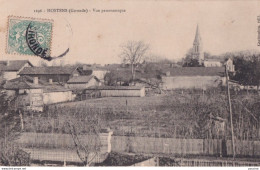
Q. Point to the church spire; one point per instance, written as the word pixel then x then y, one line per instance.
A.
pixel 197 47
pixel 197 39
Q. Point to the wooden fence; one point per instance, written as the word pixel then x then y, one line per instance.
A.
pixel 223 163
pixel 147 145
pixel 183 146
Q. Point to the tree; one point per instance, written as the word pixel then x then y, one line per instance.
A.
pixel 10 153
pixel 111 78
pixel 84 129
pixel 114 76
pixel 10 123
pixel 134 52
pixel 207 55
pixel 189 61
pixel 247 70
pixel 256 70
pixel 87 150
pixel 192 63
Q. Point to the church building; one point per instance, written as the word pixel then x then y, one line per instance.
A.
pixel 197 47
pixel 198 53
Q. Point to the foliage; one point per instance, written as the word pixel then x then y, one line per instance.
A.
pixel 10 153
pixel 192 63
pixel 113 77
pixel 189 61
pixel 119 159
pixel 247 70
pixel 77 122
pixel 197 111
pixel 246 116
pixel 207 55
pixel 134 53
pixel 179 113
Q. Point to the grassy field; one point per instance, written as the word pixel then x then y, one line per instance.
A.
pixel 162 115
pixel 185 114
pixel 147 103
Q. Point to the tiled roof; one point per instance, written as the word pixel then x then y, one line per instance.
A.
pixel 13 65
pixel 84 72
pixel 197 71
pixel 54 88
pixel 47 70
pixel 26 82
pixel 80 79
pixel 115 88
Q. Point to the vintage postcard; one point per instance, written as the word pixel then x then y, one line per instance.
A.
pixel 148 83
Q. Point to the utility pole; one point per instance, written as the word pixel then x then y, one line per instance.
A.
pixel 230 112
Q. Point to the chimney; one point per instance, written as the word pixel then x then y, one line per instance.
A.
pixel 168 73
pixel 50 81
pixel 7 63
pixel 35 80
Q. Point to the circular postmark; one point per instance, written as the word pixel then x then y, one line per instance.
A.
pixel 35 38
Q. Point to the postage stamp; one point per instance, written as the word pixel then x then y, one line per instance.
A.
pixel 29 36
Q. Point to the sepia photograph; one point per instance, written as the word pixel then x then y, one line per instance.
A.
pixel 149 83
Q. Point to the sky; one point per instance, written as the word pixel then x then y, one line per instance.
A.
pixel 167 26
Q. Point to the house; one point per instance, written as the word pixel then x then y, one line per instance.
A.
pixel 83 82
pixel 94 70
pixel 11 68
pixel 212 63
pixel 117 91
pixel 229 64
pixel 193 77
pixel 33 94
pixel 220 63
pixel 53 74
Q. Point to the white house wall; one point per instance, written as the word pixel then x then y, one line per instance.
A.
pixel 57 97
pixel 92 82
pixel 100 74
pixel 187 82
pixel 212 64
pixel 77 86
pixel 9 75
pixel 123 93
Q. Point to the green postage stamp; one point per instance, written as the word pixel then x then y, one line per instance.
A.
pixel 29 36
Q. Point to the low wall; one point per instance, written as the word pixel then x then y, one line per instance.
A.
pixel 148 145
pixel 189 82
pixel 182 146
pixel 60 147
pixel 57 97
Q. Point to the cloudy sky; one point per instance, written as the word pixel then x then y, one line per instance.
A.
pixel 167 26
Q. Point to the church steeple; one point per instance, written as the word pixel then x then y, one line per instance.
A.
pixel 197 47
pixel 197 39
